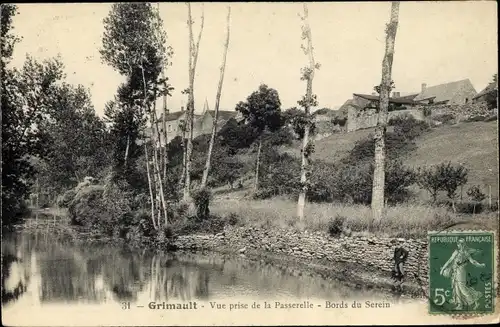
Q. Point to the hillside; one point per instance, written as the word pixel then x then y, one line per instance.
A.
pixel 473 143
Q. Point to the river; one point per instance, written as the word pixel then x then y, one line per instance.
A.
pixel 43 267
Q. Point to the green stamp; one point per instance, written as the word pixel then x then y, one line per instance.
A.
pixel 461 272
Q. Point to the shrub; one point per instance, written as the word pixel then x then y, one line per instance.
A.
pixel 211 225
pixel 339 121
pixel 444 118
pixel 233 219
pixel 87 201
pixel 491 118
pixel 354 183
pixel 476 195
pixel 408 127
pixel 470 207
pixel 65 199
pixel 202 201
pixel 108 210
pixel 336 225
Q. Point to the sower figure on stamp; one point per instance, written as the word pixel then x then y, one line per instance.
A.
pixel 454 269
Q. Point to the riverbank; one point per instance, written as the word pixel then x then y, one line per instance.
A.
pixel 359 261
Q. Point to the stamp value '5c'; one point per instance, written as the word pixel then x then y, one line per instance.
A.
pixel 461 272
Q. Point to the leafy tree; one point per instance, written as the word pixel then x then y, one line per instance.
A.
pixel 78 144
pixel 476 195
pixel 262 111
pixel 443 177
pixel 134 45
pixel 430 181
pixel 236 136
pixel 297 120
pixel 25 98
pixel 452 178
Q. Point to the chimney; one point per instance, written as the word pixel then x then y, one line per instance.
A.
pixel 396 94
pixel 182 108
pixel 424 86
pixel 374 93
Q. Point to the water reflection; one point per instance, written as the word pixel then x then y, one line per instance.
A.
pixel 42 269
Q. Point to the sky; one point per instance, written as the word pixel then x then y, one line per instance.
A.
pixel 436 42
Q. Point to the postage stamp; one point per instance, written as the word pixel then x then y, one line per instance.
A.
pixel 461 272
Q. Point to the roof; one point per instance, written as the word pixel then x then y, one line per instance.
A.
pixel 342 111
pixel 223 114
pixel 174 115
pixel 492 87
pixel 408 97
pixel 400 100
pixel 443 92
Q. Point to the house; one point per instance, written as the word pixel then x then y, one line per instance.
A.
pixel 459 92
pixel 202 124
pixel 362 109
pixel 489 91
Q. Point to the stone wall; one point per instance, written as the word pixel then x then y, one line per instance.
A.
pixel 460 112
pixel 361 119
pixel 368 253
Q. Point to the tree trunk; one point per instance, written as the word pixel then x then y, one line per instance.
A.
pixel 307 106
pixel 377 204
pixel 217 102
pixel 126 151
pixel 150 187
pixel 193 58
pixel 257 166
pixel 164 131
pixel 154 134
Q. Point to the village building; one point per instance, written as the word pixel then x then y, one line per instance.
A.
pixel 453 93
pixel 362 108
pixel 202 124
pixel 489 91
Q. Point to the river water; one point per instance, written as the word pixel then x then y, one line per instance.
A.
pixel 46 268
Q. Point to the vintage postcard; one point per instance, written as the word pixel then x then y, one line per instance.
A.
pixel 236 163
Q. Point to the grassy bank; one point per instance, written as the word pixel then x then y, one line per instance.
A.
pixel 405 220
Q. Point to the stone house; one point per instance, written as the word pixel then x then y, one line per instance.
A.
pixel 362 109
pixel 490 90
pixel 453 93
pixel 203 123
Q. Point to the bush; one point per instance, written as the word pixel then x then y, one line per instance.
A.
pixel 109 210
pixel 232 219
pixel 65 199
pixel 444 118
pixel 470 207
pixel 202 201
pixel 491 118
pixel 211 225
pixel 336 226
pixel 87 200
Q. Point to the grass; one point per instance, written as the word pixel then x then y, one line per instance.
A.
pixel 407 220
pixel 474 144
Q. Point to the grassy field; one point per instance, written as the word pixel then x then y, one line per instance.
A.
pixel 473 144
pixel 407 220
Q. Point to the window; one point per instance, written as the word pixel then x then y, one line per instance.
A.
pixel 169 128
